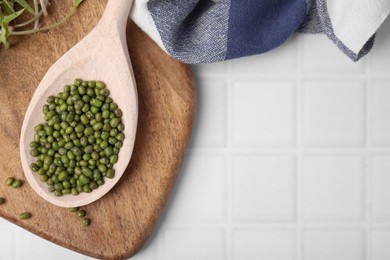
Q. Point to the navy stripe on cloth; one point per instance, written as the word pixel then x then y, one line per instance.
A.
pixel 193 31
pixel 257 26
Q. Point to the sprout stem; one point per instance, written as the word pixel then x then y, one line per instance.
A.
pixel 37 15
pixel 40 9
pixel 61 21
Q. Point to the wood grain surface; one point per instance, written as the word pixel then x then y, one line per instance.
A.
pixel 101 55
pixel 124 218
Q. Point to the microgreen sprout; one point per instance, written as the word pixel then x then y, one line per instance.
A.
pixel 10 10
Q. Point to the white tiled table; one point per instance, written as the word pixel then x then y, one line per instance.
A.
pixel 290 160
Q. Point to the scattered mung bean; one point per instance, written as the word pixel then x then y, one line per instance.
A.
pixel 9 181
pixel 86 222
pixel 80 213
pixel 25 215
pixel 17 184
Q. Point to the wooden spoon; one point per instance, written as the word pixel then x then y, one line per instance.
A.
pixel 101 55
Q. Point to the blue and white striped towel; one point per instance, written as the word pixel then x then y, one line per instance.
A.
pixel 202 31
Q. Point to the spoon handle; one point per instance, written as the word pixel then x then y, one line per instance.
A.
pixel 118 11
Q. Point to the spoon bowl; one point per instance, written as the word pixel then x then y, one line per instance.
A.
pixel 101 55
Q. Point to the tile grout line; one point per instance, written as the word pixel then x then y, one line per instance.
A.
pixel 278 225
pixel 311 150
pixel 299 152
pixel 161 245
pixel 229 230
pixel 292 76
pixel 367 172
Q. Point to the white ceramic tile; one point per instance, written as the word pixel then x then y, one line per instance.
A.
pixel 264 188
pixel 35 248
pixel 334 113
pixel 320 55
pixel 380 114
pixel 334 245
pixel 194 245
pixel 381 51
pixel 380 187
pixel 206 174
pixel 264 244
pixel 149 250
pixel 264 114
pixel 280 60
pixel 7 243
pixel 333 188
pixel 236 197
pixel 210 69
pixel 380 245
pixel 210 120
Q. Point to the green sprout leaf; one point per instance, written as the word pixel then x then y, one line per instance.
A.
pixel 4 34
pixel 8 7
pixel 29 25
pixel 7 19
pixel 77 2
pixel 26 6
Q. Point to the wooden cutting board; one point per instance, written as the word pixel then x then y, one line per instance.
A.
pixel 124 218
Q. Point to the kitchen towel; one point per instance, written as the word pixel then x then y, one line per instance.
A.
pixel 203 31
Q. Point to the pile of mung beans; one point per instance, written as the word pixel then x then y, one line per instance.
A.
pixel 78 145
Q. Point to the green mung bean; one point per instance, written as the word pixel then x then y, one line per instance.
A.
pixel 25 215
pixel 80 213
pixel 17 184
pixel 86 222
pixel 110 173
